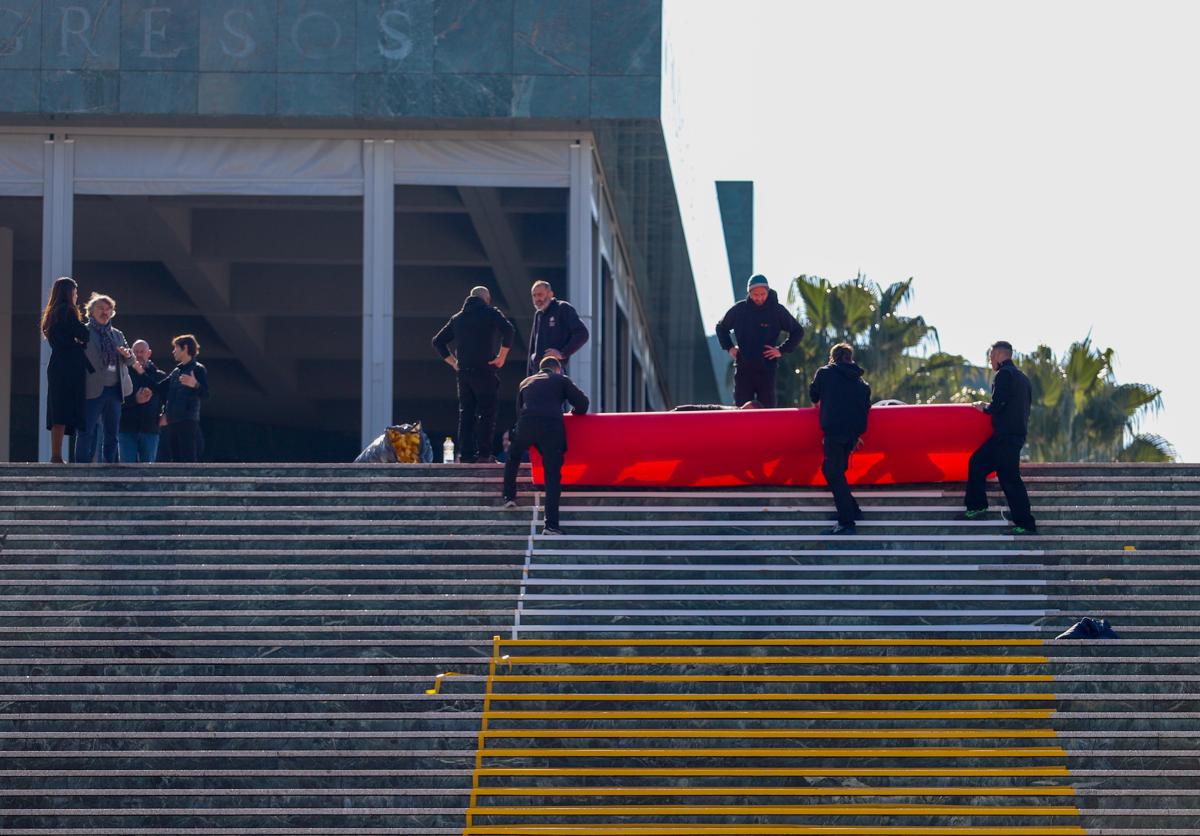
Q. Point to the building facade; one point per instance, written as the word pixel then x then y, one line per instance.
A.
pixel 312 186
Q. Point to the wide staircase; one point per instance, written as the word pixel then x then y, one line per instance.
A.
pixel 383 650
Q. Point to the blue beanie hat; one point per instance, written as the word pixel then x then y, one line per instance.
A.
pixel 757 280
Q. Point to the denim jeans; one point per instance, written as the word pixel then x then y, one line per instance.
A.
pixel 138 448
pixel 100 415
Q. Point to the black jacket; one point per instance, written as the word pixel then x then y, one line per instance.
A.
pixel 757 326
pixel 474 331
pixel 1012 398
pixel 66 375
pixel 844 398
pixel 68 338
pixel 542 395
pixel 558 327
pixel 182 403
pixel 143 417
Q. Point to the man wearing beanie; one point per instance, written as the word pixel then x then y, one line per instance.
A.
pixel 756 322
pixel 540 424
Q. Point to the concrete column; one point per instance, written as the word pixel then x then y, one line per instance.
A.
pixel 6 310
pixel 378 346
pixel 58 218
pixel 580 261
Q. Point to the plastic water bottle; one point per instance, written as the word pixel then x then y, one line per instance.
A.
pixel 448 451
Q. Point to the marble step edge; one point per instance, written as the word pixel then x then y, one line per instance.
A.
pixel 465 792
pixel 1052 651
pixel 294 772
pixel 693 612
pixel 576 586
pixel 265 830
pixel 737 512
pixel 61 591
pixel 619 631
pixel 990 814
pixel 501 519
pixel 1057 716
pixel 1078 758
pixel 962 670
pixel 522 534
pixel 1058 695
pixel 602 560
pixel 472 735
pixel 871 495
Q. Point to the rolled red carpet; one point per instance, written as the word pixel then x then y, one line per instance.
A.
pixel 765 447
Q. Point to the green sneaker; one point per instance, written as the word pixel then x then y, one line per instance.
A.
pixel 1019 531
pixel 969 514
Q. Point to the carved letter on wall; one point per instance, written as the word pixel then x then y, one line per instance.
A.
pixel 247 42
pixel 394 44
pixel 152 33
pixel 84 18
pixel 317 50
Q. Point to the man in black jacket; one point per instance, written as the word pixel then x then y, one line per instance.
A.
pixel 1012 397
pixel 540 425
pixel 756 322
pixel 182 391
pixel 845 401
pixel 558 331
pixel 476 330
pixel 137 438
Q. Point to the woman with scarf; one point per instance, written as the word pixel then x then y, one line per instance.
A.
pixel 63 328
pixel 107 385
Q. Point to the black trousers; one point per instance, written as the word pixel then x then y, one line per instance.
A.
pixel 183 441
pixel 1000 454
pixel 837 459
pixel 754 383
pixel 478 391
pixel 549 436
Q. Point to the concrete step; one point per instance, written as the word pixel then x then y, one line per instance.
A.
pixel 224 649
pixel 583 516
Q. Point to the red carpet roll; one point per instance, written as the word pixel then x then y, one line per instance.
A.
pixel 764 447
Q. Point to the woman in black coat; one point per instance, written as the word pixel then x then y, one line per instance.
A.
pixel 63 328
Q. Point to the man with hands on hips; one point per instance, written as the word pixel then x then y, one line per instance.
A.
pixel 756 322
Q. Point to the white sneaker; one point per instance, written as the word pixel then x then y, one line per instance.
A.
pixel 510 503
pixel 548 531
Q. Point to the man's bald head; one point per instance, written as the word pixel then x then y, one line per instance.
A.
pixel 481 292
pixel 141 351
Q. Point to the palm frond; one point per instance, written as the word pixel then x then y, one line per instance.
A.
pixel 1147 447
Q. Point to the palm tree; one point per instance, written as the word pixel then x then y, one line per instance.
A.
pixel 1081 413
pixel 886 342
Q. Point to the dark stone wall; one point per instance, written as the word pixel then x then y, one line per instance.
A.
pixel 331 59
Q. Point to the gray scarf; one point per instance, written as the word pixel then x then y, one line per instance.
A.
pixel 105 341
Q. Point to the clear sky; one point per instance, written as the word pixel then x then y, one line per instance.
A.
pixel 1034 165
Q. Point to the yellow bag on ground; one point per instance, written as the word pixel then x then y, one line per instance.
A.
pixel 405 440
pixel 403 443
